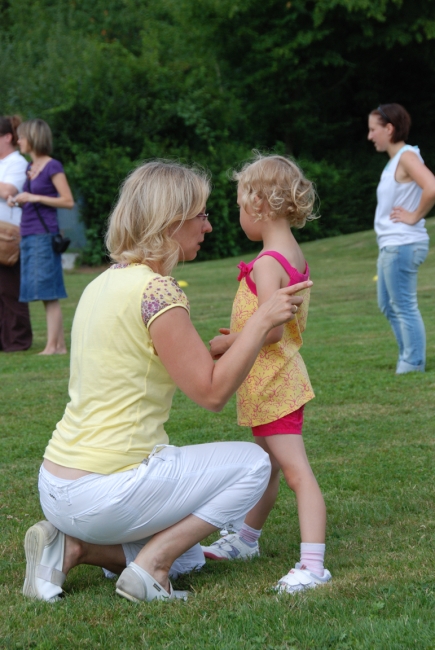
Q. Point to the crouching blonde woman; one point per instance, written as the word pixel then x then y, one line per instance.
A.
pixel 114 492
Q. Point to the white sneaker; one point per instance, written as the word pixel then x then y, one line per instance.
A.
pixel 299 579
pixel 231 547
pixel 44 546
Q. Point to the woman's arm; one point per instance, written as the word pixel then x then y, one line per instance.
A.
pixel 414 169
pixel 189 363
pixel 64 200
pixel 7 190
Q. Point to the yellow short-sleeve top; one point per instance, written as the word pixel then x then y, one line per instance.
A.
pixel 120 392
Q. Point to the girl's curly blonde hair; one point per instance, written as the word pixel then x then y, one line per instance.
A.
pixel 280 182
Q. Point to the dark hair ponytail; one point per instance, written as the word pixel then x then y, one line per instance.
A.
pixel 9 124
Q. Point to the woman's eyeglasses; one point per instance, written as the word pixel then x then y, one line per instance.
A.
pixel 203 216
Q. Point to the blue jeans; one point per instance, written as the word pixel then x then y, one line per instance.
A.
pixel 397 299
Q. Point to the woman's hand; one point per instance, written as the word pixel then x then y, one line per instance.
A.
pixel 399 214
pixel 22 197
pixel 282 305
pixel 411 168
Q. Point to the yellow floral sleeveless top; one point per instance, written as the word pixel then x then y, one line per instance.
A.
pixel 278 382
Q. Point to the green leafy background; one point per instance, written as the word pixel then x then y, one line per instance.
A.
pixel 207 81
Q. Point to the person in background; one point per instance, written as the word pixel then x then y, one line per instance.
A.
pixel 406 193
pixel 15 327
pixel 46 189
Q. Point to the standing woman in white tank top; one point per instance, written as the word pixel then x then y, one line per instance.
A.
pixel 406 193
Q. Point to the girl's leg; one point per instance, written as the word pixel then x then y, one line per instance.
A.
pixel 289 451
pixel 256 517
pixel 55 336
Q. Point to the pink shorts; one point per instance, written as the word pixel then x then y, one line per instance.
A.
pixel 289 424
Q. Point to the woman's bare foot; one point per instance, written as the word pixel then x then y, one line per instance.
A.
pixel 48 351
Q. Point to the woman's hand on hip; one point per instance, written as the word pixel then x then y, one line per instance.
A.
pixel 401 215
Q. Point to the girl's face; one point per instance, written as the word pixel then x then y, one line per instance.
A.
pixel 251 226
pixel 191 235
pixel 23 144
pixel 379 134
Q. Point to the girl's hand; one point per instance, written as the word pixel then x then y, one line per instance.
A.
pixel 283 305
pixel 220 344
pixel 401 215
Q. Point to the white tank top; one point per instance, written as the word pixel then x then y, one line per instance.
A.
pixel 392 194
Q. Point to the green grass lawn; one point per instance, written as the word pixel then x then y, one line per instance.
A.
pixel 370 438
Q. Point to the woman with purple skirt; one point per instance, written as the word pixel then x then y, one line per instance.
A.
pixel 45 190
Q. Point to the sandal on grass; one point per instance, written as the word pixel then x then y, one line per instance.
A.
pixel 44 547
pixel 299 579
pixel 141 586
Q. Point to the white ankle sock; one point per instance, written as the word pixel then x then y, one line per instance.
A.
pixel 312 556
pixel 249 535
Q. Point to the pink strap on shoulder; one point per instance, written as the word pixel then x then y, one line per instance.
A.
pixel 294 275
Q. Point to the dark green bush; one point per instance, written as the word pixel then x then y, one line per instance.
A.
pixel 207 81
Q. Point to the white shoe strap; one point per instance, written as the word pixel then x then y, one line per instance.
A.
pixel 49 574
pixel 296 577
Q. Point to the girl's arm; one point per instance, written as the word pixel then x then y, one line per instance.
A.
pixel 420 174
pixel 189 363
pixel 64 200
pixel 268 276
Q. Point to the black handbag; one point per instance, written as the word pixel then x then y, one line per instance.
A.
pixel 58 243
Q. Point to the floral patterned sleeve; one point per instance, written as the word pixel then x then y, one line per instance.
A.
pixel 160 294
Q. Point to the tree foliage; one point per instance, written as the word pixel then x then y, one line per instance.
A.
pixel 206 81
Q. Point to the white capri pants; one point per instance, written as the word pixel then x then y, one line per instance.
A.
pixel 218 482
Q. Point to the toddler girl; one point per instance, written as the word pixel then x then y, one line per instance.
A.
pixel 274 196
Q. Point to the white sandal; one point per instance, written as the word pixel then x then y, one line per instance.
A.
pixel 44 546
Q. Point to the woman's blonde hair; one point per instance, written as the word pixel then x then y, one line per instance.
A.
pixel 153 197
pixel 279 181
pixel 38 135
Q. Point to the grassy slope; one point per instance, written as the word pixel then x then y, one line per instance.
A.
pixel 369 435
